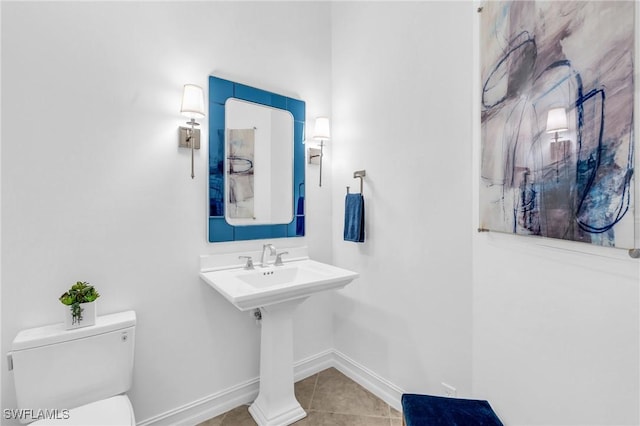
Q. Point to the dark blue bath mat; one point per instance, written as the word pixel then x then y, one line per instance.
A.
pixel 427 410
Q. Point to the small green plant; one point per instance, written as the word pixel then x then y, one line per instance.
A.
pixel 80 292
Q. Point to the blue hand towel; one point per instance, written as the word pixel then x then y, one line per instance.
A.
pixel 300 210
pixel 354 218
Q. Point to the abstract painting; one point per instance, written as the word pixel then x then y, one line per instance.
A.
pixel 557 120
pixel 240 158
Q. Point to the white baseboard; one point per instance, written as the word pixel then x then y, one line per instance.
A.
pixel 208 407
pixel 244 393
pixel 313 364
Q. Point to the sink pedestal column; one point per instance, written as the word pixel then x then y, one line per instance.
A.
pixel 276 404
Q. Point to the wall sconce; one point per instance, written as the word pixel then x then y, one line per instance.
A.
pixel 192 107
pixel 557 122
pixel 321 132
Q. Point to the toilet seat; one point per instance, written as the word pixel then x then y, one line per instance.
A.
pixel 114 411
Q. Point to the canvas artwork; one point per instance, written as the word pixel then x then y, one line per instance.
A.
pixel 557 120
pixel 240 158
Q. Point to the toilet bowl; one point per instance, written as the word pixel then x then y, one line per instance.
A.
pixel 78 376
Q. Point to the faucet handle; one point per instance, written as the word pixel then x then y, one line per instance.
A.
pixel 279 258
pixel 249 264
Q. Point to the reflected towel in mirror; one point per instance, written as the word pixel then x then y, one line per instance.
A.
pixel 300 217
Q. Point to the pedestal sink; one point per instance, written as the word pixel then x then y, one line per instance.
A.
pixel 276 291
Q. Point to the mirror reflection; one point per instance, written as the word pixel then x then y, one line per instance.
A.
pixel 258 164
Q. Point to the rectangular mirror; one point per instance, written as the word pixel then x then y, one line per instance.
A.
pixel 256 163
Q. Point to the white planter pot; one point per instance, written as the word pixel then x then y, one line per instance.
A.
pixel 88 316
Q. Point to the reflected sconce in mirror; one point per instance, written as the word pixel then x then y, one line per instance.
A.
pixel 321 132
pixel 556 123
pixel 192 107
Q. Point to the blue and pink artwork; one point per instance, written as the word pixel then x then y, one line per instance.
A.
pixel 557 121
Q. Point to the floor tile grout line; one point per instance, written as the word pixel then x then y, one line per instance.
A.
pixel 313 392
pixel 347 410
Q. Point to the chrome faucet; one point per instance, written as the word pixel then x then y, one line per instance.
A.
pixel 264 259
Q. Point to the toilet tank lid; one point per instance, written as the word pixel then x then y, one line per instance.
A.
pixel 56 333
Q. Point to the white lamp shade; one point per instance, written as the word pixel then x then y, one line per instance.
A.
pixel 557 120
pixel 192 101
pixel 321 130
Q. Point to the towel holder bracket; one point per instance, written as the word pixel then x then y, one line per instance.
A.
pixel 359 174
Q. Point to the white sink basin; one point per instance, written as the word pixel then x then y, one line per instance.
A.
pixel 249 289
pixel 271 276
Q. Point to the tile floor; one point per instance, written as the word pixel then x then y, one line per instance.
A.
pixel 330 399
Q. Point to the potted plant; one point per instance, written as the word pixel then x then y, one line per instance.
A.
pixel 81 299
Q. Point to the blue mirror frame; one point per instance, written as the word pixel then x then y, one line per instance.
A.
pixel 219 230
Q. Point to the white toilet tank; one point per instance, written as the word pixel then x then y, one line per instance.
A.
pixel 54 368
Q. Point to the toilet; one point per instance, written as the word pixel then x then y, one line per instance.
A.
pixel 78 376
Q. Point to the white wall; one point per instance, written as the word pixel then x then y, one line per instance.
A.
pixel 402 111
pixel 94 187
pixel 547 331
pixel 555 332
